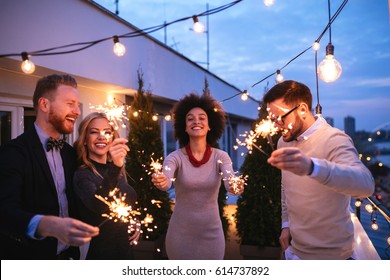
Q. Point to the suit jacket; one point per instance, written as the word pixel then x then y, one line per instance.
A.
pixel 27 188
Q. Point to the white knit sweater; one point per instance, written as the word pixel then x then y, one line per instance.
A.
pixel 316 208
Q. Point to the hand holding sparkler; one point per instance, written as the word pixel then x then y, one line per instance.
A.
pixel 160 180
pixel 293 160
pixel 118 151
pixel 236 184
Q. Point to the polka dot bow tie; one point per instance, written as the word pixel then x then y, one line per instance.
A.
pixel 54 144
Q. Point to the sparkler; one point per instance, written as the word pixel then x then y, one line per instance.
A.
pixel 120 211
pixel 237 183
pixel 265 128
pixel 116 114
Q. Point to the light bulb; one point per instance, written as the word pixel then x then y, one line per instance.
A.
pixel 358 202
pixel 198 26
pixel 374 225
pixel 167 117
pixel 155 118
pixel 27 66
pixel 329 69
pixel 316 46
pixel 279 77
pixel 119 49
pixel 244 95
pixel 269 3
pixel 369 208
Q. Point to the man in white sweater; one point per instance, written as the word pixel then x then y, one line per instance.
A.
pixel 321 171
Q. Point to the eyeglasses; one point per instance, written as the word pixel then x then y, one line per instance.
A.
pixel 280 119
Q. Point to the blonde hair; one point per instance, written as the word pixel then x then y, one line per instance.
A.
pixel 81 148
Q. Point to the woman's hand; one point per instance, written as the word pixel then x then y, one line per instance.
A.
pixel 118 151
pixel 160 180
pixel 136 235
pixel 236 185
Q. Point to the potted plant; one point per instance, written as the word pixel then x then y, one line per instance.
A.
pixel 146 146
pixel 258 215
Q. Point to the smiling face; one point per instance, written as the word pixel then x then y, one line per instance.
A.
pixel 98 138
pixel 64 110
pixel 197 123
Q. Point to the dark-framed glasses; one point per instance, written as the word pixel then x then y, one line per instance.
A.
pixel 280 119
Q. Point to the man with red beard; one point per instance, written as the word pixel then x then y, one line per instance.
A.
pixel 36 175
pixel 321 171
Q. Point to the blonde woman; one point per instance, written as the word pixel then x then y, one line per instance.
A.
pixel 101 155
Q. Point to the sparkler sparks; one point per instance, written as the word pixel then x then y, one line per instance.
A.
pixel 265 128
pixel 120 211
pixel 237 183
pixel 116 114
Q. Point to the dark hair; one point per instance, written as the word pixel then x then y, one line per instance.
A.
pixel 292 92
pixel 47 85
pixel 215 114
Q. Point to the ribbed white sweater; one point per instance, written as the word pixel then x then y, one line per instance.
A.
pixel 317 208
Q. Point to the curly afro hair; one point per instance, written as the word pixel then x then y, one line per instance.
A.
pixel 215 114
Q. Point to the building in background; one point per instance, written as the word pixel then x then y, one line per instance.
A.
pixel 349 125
pixel 102 76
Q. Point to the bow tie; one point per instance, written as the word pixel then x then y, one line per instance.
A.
pixel 54 144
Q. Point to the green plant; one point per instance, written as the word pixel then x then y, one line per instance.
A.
pixel 258 216
pixel 145 144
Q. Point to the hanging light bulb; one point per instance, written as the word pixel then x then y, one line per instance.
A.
pixel 119 49
pixel 244 95
pixel 155 117
pixel 374 225
pixel 198 26
pixel 329 69
pixel 27 66
pixel 358 202
pixel 316 46
pixel 279 77
pixel 269 3
pixel 168 117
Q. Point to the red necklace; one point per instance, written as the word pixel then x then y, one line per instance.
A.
pixel 193 160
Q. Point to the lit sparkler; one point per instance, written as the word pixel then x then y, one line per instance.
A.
pixel 120 211
pixel 116 114
pixel 237 183
pixel 265 128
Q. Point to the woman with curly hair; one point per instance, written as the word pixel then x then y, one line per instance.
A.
pixel 195 229
pixel 101 154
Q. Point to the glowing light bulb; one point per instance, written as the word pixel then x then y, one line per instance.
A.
pixel 279 77
pixel 168 117
pixel 358 202
pixel 155 118
pixel 369 208
pixel 27 66
pixel 269 3
pixel 119 49
pixel 329 69
pixel 198 26
pixel 316 46
pixel 374 225
pixel 244 95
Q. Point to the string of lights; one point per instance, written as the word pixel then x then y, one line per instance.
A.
pixel 119 49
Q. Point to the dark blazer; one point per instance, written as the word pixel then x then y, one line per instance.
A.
pixel 26 189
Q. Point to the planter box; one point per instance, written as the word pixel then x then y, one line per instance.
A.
pixel 253 252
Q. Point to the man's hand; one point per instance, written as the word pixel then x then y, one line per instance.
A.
pixel 67 230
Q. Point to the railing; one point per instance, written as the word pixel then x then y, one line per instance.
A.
pixel 376 226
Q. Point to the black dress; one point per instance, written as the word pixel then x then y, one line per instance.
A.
pixel 113 241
